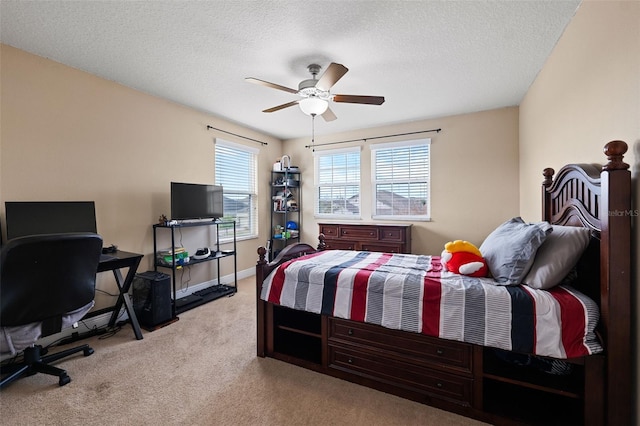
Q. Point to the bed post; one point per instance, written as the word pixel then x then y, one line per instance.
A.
pixel 615 281
pixel 546 196
pixel 260 304
pixel 322 245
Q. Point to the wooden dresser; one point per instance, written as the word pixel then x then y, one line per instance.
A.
pixel 367 237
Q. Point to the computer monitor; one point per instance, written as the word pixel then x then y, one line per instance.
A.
pixel 49 217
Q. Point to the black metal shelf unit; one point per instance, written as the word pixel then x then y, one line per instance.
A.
pixel 286 199
pixel 208 294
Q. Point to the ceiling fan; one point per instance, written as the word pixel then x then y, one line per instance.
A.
pixel 315 92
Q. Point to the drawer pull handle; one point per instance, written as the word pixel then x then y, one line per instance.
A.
pixel 439 351
pixel 439 385
pixel 350 361
pixel 350 332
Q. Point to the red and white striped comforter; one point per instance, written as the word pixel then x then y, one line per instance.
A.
pixel 412 293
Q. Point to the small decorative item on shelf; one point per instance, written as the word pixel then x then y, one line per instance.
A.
pixel 285 162
pixel 281 181
pixel 283 194
pixel 167 256
pixel 292 229
pixel 284 235
pixel 292 206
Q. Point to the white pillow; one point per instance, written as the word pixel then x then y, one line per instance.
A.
pixel 511 248
pixel 557 256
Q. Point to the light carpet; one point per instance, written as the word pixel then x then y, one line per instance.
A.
pixel 202 370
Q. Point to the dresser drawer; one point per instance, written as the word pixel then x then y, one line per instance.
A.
pixel 329 231
pixel 416 348
pixel 340 245
pixel 360 233
pixel 383 248
pixel 392 234
pixel 433 383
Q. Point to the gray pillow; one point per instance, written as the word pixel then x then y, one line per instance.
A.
pixel 511 248
pixel 557 256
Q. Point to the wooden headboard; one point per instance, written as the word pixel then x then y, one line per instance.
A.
pixel 599 198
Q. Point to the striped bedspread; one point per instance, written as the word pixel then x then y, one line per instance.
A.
pixel 412 293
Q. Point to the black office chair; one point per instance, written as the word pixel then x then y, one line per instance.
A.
pixel 47 284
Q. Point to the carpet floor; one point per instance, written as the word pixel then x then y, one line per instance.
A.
pixel 202 370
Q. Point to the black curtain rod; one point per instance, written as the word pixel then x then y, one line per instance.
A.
pixel 240 136
pixel 375 137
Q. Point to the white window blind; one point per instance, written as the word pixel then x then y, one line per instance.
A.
pixel 401 180
pixel 337 183
pixel 236 171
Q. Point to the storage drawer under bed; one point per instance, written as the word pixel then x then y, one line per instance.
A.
pixel 423 380
pixel 415 348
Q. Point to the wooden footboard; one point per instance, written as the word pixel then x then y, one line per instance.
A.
pixel 263 268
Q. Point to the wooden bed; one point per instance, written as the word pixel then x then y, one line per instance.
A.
pixel 467 378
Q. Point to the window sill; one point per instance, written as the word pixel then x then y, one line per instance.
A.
pixel 403 218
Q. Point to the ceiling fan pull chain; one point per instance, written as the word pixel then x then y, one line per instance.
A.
pixel 313 133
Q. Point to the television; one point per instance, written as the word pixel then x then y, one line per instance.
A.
pixel 196 201
pixel 49 217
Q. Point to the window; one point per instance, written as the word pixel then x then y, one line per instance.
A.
pixel 236 167
pixel 337 183
pixel 400 180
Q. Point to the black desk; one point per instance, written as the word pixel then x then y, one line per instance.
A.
pixel 120 260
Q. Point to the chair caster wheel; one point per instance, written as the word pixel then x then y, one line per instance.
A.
pixel 88 351
pixel 64 380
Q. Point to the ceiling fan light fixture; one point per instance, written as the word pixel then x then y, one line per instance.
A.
pixel 313 105
pixel 315 92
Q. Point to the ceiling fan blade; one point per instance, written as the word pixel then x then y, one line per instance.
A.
pixel 272 85
pixel 279 107
pixel 331 76
pixel 328 115
pixel 355 99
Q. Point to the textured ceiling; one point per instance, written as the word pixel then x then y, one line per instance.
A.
pixel 427 58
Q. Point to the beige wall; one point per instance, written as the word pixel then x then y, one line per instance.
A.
pixel 587 94
pixel 68 135
pixel 474 186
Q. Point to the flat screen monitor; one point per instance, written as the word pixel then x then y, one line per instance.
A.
pixel 196 201
pixel 49 217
